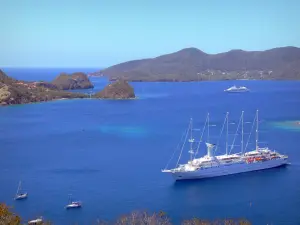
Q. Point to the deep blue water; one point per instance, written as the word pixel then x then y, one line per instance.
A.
pixel 109 154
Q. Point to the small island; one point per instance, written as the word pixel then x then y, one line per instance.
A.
pixel 119 89
pixel 76 80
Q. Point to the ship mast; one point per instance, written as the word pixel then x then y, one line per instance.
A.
pixel 185 139
pixel 242 141
pixel 227 133
pixel 208 127
pixel 199 142
pixel 256 141
pixel 191 140
pixel 236 132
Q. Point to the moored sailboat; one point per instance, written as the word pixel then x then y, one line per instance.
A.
pixel 73 204
pixel 20 195
pixel 36 221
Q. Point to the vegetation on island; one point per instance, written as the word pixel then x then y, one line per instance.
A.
pixel 8 217
pixel 192 64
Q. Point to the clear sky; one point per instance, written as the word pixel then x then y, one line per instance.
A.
pixel 85 33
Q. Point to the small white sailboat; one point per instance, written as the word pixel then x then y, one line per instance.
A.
pixel 73 204
pixel 36 221
pixel 237 89
pixel 20 195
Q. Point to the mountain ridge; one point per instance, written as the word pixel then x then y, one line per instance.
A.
pixel 192 64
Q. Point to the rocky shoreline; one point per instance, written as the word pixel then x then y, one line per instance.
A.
pixel 14 91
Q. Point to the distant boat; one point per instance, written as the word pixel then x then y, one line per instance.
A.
pixel 73 204
pixel 20 195
pixel 36 221
pixel 237 89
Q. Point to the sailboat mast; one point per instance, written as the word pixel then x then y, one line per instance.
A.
pixel 256 141
pixel 242 141
pixel 19 188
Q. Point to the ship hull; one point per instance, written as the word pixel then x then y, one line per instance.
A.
pixel 236 91
pixel 224 170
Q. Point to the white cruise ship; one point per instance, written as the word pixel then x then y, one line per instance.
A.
pixel 212 165
pixel 236 89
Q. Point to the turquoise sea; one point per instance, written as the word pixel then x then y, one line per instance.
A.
pixel 109 154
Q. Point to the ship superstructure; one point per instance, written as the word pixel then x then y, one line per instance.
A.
pixel 212 165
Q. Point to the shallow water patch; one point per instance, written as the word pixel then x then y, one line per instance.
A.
pixel 292 125
pixel 124 131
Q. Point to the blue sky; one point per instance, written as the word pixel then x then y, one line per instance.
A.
pixel 87 33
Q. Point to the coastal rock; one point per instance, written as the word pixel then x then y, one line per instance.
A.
pixel 73 81
pixel 118 90
pixel 4 93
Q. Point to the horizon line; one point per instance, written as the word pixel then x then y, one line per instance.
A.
pixel 53 67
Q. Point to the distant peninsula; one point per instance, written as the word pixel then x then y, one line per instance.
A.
pixel 14 91
pixel 191 64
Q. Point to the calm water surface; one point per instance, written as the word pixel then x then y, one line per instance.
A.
pixel 109 154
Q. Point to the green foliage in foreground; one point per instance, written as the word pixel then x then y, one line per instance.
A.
pixel 7 217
